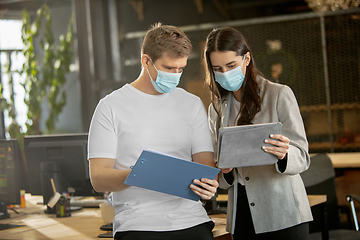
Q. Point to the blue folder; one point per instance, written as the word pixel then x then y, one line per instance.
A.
pixel 163 173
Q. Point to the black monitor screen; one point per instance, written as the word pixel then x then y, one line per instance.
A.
pixel 62 158
pixel 9 175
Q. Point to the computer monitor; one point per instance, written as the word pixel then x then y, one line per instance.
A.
pixel 10 175
pixel 62 158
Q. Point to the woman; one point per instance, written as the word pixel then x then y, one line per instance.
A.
pixel 265 202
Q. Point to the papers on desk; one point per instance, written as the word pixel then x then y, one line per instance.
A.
pixel 163 173
pixel 241 146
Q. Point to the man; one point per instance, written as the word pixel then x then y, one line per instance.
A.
pixel 151 113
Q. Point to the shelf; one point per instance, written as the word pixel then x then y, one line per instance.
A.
pixel 337 146
pixel 323 107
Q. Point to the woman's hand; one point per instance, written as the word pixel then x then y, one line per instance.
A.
pixel 205 188
pixel 281 147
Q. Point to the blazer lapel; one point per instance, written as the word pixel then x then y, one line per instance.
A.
pixel 225 120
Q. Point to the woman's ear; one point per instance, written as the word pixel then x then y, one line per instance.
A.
pixel 247 58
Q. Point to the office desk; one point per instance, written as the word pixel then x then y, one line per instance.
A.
pixel 83 224
pixel 345 160
pixel 316 199
pixel 219 231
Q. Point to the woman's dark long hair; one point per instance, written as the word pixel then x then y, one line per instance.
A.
pixel 229 39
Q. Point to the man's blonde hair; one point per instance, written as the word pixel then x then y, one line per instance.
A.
pixel 165 38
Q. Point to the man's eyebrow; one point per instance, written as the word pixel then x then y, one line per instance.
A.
pixel 167 66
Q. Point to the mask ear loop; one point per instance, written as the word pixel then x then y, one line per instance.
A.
pixel 243 63
pixel 155 69
pixel 243 60
pixel 153 64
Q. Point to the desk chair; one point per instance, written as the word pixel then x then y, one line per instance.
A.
pixel 351 199
pixel 319 179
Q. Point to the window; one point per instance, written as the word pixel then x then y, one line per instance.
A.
pixel 11 55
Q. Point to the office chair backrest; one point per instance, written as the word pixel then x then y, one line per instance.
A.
pixel 319 179
pixel 321 169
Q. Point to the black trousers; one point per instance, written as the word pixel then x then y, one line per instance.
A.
pixel 199 232
pixel 244 227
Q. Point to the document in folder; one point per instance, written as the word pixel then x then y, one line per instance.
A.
pixel 241 146
pixel 163 173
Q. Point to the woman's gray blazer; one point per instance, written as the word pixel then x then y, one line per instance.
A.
pixel 277 199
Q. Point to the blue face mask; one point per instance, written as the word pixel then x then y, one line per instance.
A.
pixel 232 79
pixel 165 82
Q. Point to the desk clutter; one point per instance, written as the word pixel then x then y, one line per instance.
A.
pixel 32 222
pixel 61 203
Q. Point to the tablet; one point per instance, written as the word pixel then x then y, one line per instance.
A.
pixel 241 146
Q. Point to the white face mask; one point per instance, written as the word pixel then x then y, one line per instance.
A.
pixel 231 80
pixel 165 82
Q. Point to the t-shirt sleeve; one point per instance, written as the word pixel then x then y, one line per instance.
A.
pixel 102 140
pixel 201 137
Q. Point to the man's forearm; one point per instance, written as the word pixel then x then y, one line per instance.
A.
pixel 104 177
pixel 109 180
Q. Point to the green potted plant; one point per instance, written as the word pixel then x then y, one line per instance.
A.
pixel 44 73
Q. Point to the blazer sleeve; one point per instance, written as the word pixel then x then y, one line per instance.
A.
pixel 298 159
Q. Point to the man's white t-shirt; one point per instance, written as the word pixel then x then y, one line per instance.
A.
pixel 128 121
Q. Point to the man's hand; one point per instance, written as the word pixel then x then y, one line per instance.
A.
pixel 205 188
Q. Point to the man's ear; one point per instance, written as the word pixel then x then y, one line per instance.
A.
pixel 145 61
